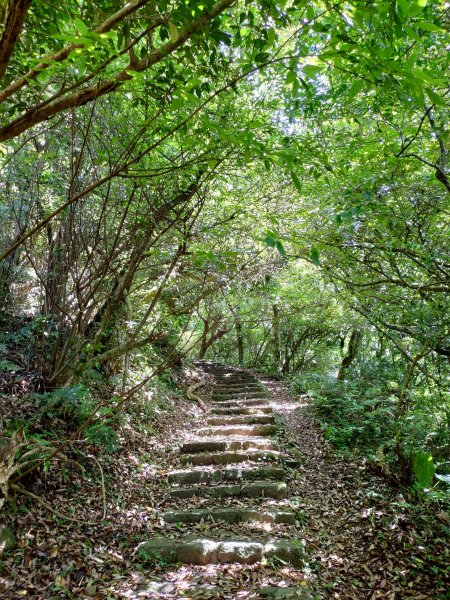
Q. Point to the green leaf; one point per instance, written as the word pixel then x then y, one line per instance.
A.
pixel 312 71
pixel 291 77
pixel 422 3
pixel 404 7
pixel 315 256
pixel 7 365
pixel 269 239
pixel 81 27
pixel 435 98
pixel 271 36
pixel 296 181
pixel 279 246
pixel 429 26
pixel 356 87
pixel 424 468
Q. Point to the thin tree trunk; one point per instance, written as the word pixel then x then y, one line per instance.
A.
pixel 239 341
pixel 352 351
pixel 276 335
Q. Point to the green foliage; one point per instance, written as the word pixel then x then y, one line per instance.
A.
pixel 352 415
pixel 424 468
pixel 7 365
pixel 63 402
pixel 103 435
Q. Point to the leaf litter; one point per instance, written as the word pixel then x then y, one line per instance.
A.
pixel 363 540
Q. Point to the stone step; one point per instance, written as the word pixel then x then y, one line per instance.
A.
pixel 201 551
pixel 206 591
pixel 241 420
pixel 229 458
pixel 271 592
pixel 237 381
pixel 193 476
pixel 242 403
pixel 214 445
pixel 260 430
pixel 218 397
pixel 220 370
pixel 257 410
pixel 255 489
pixel 238 387
pixel 232 515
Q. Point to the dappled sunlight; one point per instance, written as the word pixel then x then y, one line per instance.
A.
pixel 224 299
pixel 213 581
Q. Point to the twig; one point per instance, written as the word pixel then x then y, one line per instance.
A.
pixel 102 483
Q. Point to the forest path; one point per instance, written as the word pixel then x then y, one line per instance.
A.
pixel 235 524
pixel 261 506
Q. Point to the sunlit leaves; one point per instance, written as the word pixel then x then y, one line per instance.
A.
pixel 273 241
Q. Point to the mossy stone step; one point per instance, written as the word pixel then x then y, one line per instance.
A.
pixel 271 592
pixel 222 378
pixel 223 384
pixel 228 458
pixel 238 389
pixel 257 410
pixel 205 445
pixel 232 515
pixel 249 403
pixel 260 430
pixel 218 397
pixel 255 489
pixel 230 474
pixel 241 420
pixel 202 551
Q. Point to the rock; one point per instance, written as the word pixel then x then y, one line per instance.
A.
pixel 224 458
pixel 8 540
pixel 242 403
pixel 265 489
pixel 208 445
pixel 158 551
pixel 231 515
pixel 189 551
pixel 218 491
pixel 218 397
pixel 197 552
pixel 241 420
pixel 273 592
pixel 257 489
pixel 218 475
pixel 189 477
pixel 242 552
pixel 257 410
pixel 203 446
pixel 289 551
pixel 254 474
pixel 224 430
pixel 200 551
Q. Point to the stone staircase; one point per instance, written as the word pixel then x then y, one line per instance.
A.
pixel 232 474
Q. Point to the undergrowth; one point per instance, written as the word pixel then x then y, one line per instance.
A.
pixel 360 417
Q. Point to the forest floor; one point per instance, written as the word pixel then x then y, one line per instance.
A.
pixel 364 541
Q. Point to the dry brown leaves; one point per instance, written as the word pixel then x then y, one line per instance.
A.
pixel 366 542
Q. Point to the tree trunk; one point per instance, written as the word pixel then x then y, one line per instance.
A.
pixel 204 338
pixel 276 335
pixel 352 351
pixel 239 341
